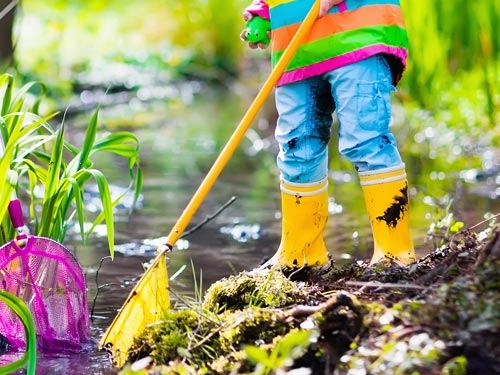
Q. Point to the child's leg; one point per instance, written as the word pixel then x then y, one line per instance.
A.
pixel 362 93
pixel 304 129
pixel 303 132
pixel 362 96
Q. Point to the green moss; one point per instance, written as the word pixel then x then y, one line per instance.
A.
pixel 251 326
pixel 163 341
pixel 236 362
pixel 239 291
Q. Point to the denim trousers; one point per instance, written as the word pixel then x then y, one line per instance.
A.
pixel 360 93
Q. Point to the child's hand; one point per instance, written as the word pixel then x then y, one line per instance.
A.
pixel 248 16
pixel 326 5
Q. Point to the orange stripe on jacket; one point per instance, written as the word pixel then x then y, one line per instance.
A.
pixel 336 23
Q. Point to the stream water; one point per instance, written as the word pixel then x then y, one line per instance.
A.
pixel 180 139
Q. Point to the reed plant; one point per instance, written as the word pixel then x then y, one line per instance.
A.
pixel 448 38
pixel 38 158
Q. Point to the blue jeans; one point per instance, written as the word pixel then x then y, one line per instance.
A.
pixel 361 95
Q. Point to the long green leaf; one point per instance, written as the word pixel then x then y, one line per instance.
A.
pixel 8 82
pixel 138 185
pixel 52 183
pixel 103 187
pixel 30 356
pixel 36 153
pixel 76 195
pixel 20 95
pixel 89 140
pixel 127 145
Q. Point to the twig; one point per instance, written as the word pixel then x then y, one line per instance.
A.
pixel 97 286
pixel 371 284
pixel 485 220
pixel 208 218
pixel 8 8
pixel 205 339
pixel 490 250
pixel 336 300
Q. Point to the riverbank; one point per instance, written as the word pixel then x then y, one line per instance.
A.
pixel 440 315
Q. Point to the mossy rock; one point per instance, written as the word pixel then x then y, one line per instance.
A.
pixel 272 289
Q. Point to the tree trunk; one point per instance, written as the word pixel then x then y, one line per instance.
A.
pixel 6 26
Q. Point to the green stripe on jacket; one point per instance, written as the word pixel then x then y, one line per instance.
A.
pixel 341 43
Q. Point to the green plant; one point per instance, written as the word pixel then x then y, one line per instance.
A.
pixel 455 366
pixel 444 225
pixel 290 347
pixel 35 159
pixel 30 355
pixel 18 125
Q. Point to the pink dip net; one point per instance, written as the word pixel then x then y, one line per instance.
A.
pixel 49 279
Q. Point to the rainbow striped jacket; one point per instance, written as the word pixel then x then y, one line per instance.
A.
pixel 351 31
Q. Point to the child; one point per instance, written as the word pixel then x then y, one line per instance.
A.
pixel 350 62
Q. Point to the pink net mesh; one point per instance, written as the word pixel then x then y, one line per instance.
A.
pixel 49 279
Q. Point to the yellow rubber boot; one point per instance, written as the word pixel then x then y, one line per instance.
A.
pixel 305 213
pixel 387 203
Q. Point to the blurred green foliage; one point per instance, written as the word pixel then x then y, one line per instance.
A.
pixel 448 41
pixel 57 39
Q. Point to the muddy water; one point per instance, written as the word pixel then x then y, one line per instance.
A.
pixel 179 142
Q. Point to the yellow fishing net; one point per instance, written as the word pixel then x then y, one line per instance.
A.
pixel 146 304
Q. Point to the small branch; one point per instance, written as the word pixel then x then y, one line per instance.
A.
pixel 371 284
pixel 208 218
pixel 485 221
pixel 491 250
pixel 8 8
pixel 336 300
pixel 97 286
